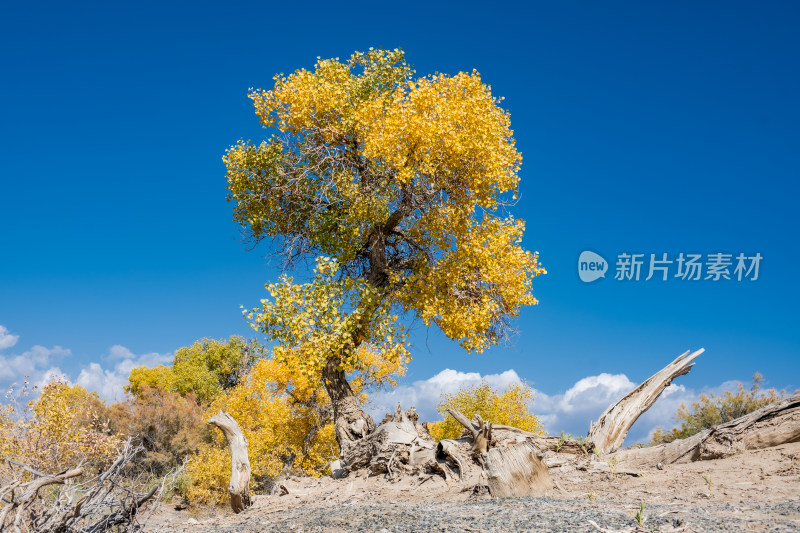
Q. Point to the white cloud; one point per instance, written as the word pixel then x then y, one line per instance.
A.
pixel 51 374
pixel 38 366
pixel 108 383
pixel 119 352
pixel 571 411
pixel 7 340
pixel 584 402
pixel 426 394
pixel 30 366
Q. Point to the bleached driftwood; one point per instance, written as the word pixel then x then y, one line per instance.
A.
pixel 450 451
pixel 513 469
pixel 608 433
pixel 239 487
pixel 502 435
pixel 516 470
pixel 399 440
pixel 772 425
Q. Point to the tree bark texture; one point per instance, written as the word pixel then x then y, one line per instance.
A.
pixel 351 422
pixel 516 470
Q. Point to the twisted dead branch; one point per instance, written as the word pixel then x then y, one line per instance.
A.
pixel 98 504
pixel 239 486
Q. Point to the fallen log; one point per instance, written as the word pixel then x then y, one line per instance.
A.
pixel 772 425
pixel 502 435
pixel 513 463
pixel 607 434
pixel 239 487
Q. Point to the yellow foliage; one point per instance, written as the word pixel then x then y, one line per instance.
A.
pixel 203 369
pixel 368 159
pixel 142 378
pixel 508 408
pixel 57 430
pixel 286 421
pixel 488 258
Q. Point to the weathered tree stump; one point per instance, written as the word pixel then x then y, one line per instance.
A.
pixel 239 487
pixel 516 470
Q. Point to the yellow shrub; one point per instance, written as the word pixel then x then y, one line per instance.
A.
pixel 286 423
pixel 204 369
pixel 509 408
pixel 64 426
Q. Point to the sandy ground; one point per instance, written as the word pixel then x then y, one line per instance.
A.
pixel 754 491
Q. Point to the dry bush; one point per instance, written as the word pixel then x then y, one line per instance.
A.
pixel 76 501
pixel 169 426
pixel 711 410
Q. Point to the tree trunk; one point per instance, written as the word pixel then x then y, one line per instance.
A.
pixel 608 433
pixel 351 422
pixel 772 425
pixel 239 487
pixel 516 470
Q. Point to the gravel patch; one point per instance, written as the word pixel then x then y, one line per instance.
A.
pixel 510 514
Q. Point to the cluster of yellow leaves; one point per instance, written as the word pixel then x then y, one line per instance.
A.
pixel 483 281
pixel 331 94
pixel 280 414
pixel 57 430
pixel 448 129
pixel 326 317
pixel 511 408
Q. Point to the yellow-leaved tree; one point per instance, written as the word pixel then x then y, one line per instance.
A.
pixel 510 407
pixel 204 369
pixel 286 418
pixel 395 182
pixel 61 428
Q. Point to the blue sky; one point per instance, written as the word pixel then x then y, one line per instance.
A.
pixel 658 127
